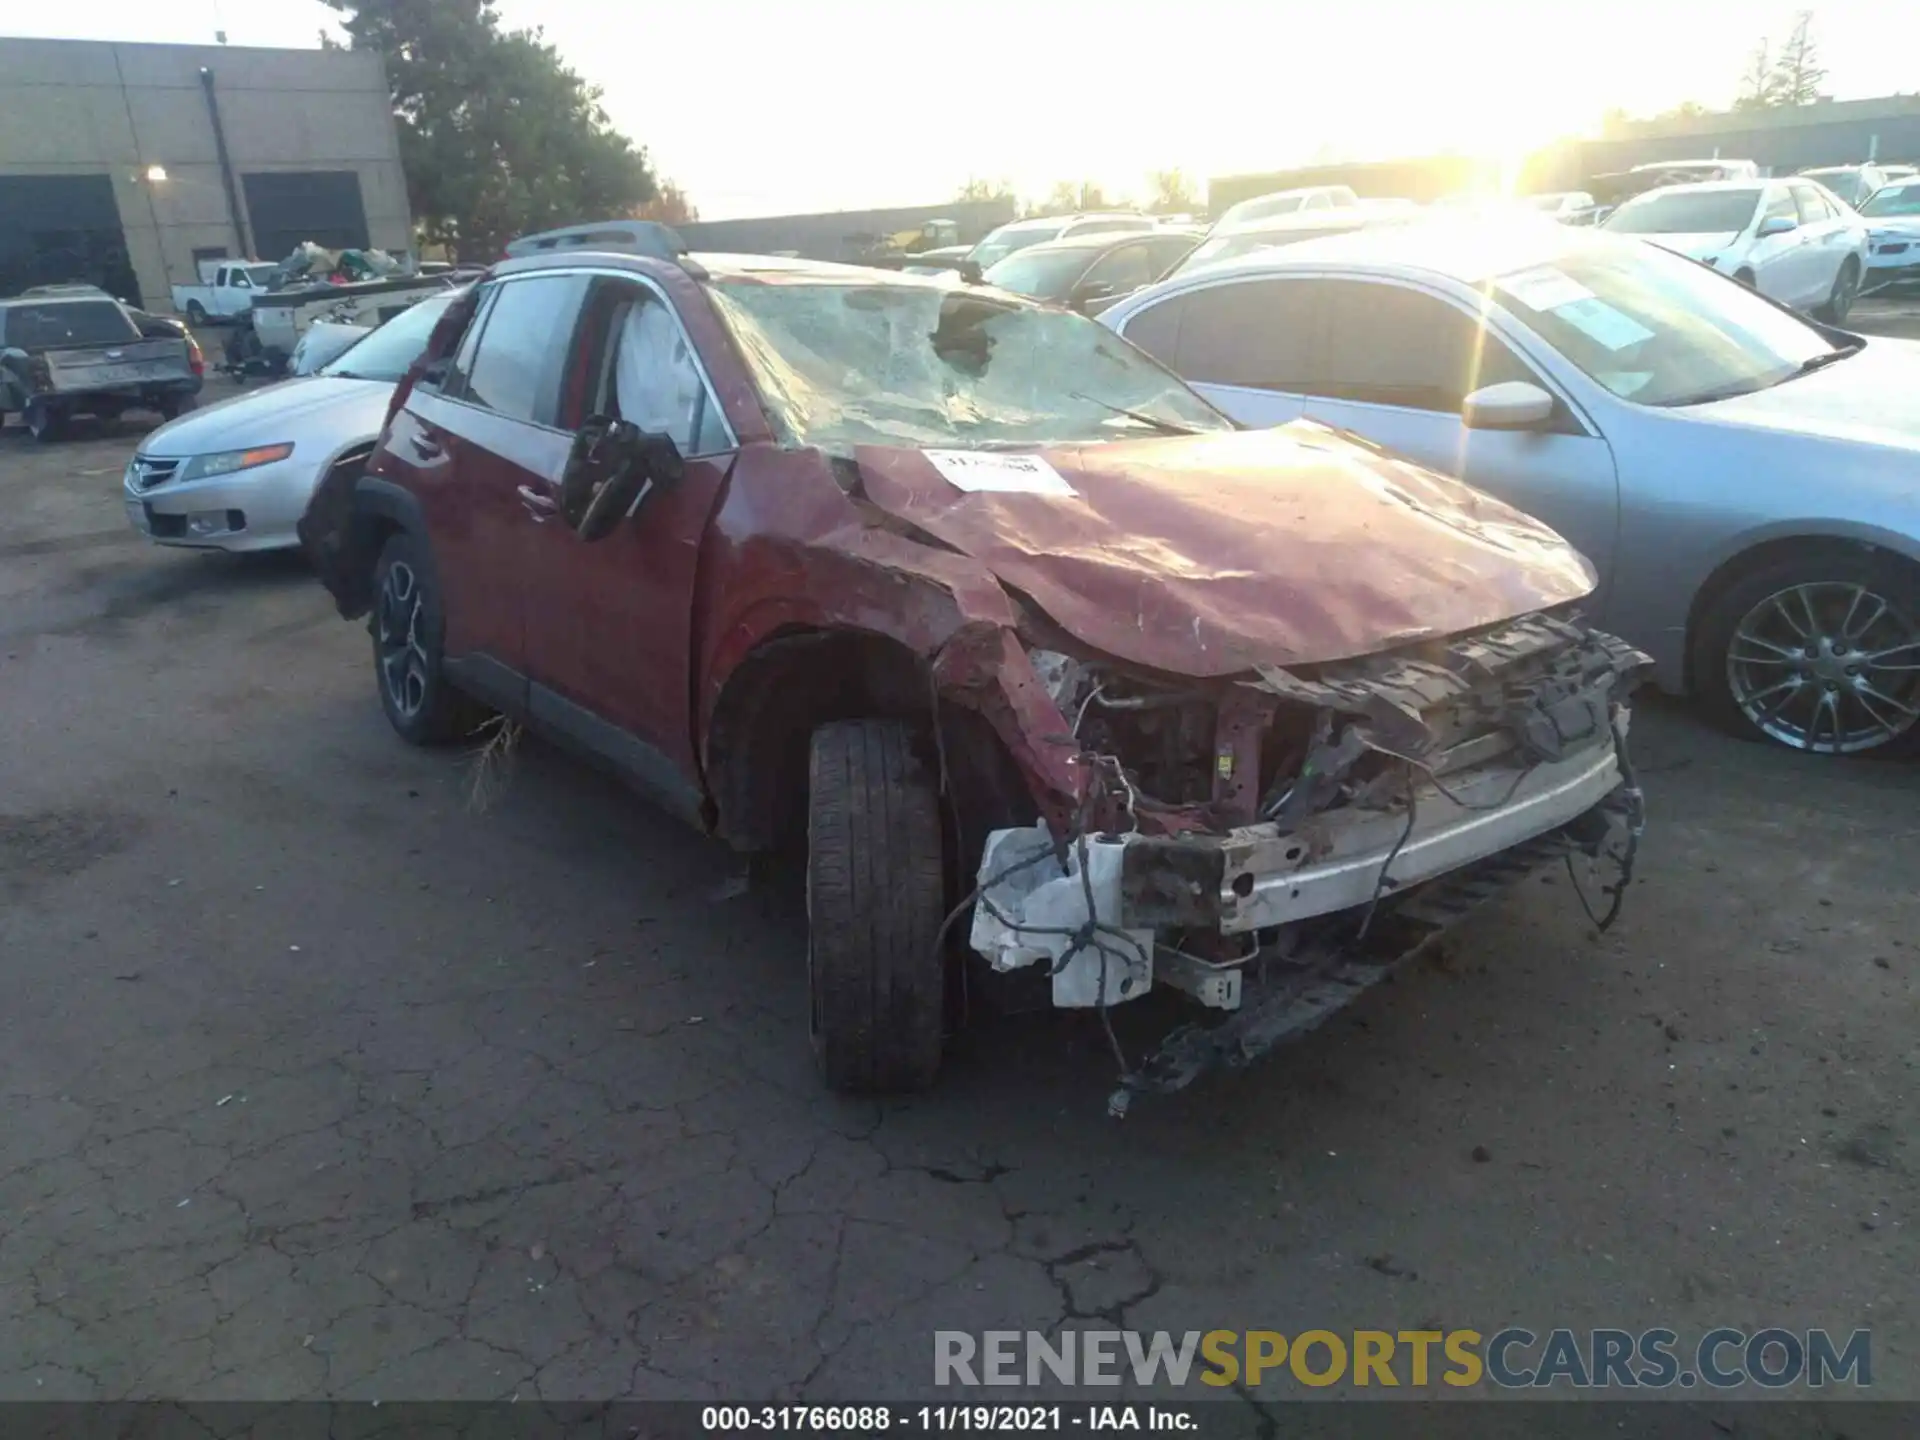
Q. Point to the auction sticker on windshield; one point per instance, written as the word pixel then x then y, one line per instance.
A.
pixel 1553 291
pixel 976 470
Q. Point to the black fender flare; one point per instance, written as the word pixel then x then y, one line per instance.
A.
pixel 346 524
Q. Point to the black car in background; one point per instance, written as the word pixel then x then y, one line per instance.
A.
pixel 1090 272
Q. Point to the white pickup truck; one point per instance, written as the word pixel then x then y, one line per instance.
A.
pixel 226 290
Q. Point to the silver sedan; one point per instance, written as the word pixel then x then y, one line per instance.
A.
pixel 238 475
pixel 1746 482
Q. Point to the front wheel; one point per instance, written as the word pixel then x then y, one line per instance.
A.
pixel 1846 289
pixel 875 900
pixel 408 628
pixel 1819 652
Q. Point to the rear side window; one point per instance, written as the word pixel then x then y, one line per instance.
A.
pixel 1255 333
pixel 517 368
pixel 1387 345
pixel 71 322
pixel 1156 330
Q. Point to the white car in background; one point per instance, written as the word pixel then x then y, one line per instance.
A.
pixel 1892 216
pixel 238 475
pixel 1790 239
pixel 1852 183
pixel 1290 202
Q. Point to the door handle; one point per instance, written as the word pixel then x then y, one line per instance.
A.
pixel 426 449
pixel 541 507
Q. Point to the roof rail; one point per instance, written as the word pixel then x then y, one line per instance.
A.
pixel 636 237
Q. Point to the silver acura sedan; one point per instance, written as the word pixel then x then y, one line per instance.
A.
pixel 238 475
pixel 1746 482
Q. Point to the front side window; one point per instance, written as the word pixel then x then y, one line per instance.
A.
pixel 1125 268
pixel 647 374
pixel 1388 345
pixel 1652 327
pixel 1687 212
pixel 1813 206
pixel 516 370
pixel 839 365
pixel 1780 206
pixel 1256 334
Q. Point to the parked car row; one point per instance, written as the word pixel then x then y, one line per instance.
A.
pixel 1205 634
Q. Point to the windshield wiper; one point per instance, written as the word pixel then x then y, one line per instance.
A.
pixel 1820 362
pixel 1749 387
pixel 1165 427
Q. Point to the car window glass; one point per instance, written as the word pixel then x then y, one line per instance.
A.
pixel 1388 345
pixel 1124 268
pixel 517 368
pixel 1813 205
pixel 1780 206
pixel 1167 251
pixel 455 383
pixel 647 374
pixel 1156 329
pixel 1255 333
pixel 240 280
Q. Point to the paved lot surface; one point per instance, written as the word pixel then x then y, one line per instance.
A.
pixel 316 1079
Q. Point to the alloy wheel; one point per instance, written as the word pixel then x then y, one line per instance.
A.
pixel 1831 667
pixel 402 653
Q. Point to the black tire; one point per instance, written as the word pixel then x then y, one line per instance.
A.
pixel 1846 289
pixel 421 703
pixel 196 314
pixel 875 900
pixel 172 407
pixel 1820 565
pixel 44 422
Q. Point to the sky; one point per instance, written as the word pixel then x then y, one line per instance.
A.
pixel 770 108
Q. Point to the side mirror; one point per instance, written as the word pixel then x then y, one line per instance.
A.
pixel 1510 405
pixel 612 467
pixel 1777 225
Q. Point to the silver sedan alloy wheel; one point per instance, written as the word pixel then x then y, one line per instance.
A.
pixel 1830 666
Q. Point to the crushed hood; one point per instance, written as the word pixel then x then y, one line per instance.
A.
pixel 1210 555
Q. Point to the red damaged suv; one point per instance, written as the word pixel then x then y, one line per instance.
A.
pixel 1049 666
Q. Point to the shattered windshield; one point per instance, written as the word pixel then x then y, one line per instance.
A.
pixel 845 365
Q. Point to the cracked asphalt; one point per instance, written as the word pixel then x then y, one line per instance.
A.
pixel 320 1077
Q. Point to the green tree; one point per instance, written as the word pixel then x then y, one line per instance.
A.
pixel 1173 193
pixel 1797 72
pixel 976 190
pixel 670 206
pixel 1759 82
pixel 497 135
pixel 1067 198
pixel 1685 110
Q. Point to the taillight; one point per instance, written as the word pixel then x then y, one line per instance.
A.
pixel 195 359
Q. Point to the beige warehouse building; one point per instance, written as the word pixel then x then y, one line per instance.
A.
pixel 125 165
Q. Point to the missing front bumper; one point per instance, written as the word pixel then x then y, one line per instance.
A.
pixel 1093 911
